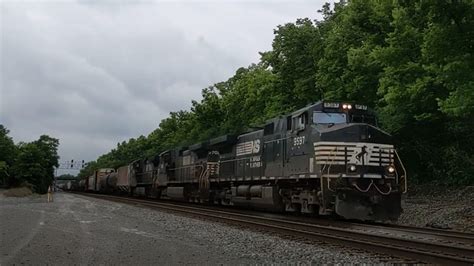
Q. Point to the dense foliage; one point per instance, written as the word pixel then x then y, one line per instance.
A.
pixel 411 60
pixel 31 163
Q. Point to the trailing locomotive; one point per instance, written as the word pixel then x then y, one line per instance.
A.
pixel 326 158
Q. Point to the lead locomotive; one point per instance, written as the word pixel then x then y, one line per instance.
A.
pixel 326 158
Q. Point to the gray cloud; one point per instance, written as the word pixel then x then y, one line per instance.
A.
pixel 94 73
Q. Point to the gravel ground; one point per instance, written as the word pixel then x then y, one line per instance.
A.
pixel 80 230
pixel 440 207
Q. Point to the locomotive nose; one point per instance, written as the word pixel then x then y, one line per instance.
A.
pixel 354 133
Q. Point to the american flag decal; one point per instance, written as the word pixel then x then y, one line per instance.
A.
pixel 248 147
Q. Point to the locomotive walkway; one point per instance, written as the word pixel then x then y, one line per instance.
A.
pixel 412 243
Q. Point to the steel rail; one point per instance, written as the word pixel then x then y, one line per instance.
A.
pixel 453 236
pixel 430 231
pixel 423 251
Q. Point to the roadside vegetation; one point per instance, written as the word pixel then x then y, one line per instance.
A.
pixel 27 165
pixel 410 60
pixel 22 191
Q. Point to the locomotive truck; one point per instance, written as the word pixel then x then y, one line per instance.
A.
pixel 326 158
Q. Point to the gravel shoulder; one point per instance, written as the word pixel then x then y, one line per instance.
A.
pixel 439 207
pixel 80 230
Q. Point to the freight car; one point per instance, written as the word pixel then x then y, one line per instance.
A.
pixel 97 181
pixel 327 158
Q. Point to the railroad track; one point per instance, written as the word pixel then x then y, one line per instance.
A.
pixel 416 244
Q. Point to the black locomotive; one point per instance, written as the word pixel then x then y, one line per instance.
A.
pixel 326 158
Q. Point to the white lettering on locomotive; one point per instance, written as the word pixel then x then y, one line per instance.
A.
pixel 255 162
pixel 297 141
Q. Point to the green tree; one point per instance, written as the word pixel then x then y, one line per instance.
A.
pixel 248 99
pixel 296 50
pixel 347 69
pixel 7 156
pixel 35 163
pixel 422 75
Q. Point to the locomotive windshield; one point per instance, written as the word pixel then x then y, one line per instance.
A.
pixel 368 119
pixel 329 118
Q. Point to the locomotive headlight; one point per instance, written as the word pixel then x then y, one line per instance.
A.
pixel 352 168
pixel 344 106
pixel 349 106
pixel 391 169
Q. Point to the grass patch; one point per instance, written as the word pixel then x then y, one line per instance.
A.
pixel 18 192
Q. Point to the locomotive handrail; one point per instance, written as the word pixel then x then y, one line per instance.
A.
pixel 329 186
pixel 275 140
pixel 404 176
pixel 188 167
pixel 384 193
pixel 332 160
pixel 237 159
pixel 367 189
pixel 332 153
pixel 185 167
pixel 204 180
pixel 145 172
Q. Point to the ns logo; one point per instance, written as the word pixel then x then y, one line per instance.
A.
pixel 362 156
pixel 256 146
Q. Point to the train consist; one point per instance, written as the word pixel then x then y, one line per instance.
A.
pixel 327 158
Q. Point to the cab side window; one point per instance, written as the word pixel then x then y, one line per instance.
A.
pixel 300 121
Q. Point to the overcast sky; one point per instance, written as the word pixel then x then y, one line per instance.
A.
pixel 93 73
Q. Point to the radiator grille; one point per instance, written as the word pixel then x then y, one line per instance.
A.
pixel 358 153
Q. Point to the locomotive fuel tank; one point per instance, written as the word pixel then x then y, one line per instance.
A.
pixel 176 193
pixel 257 196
